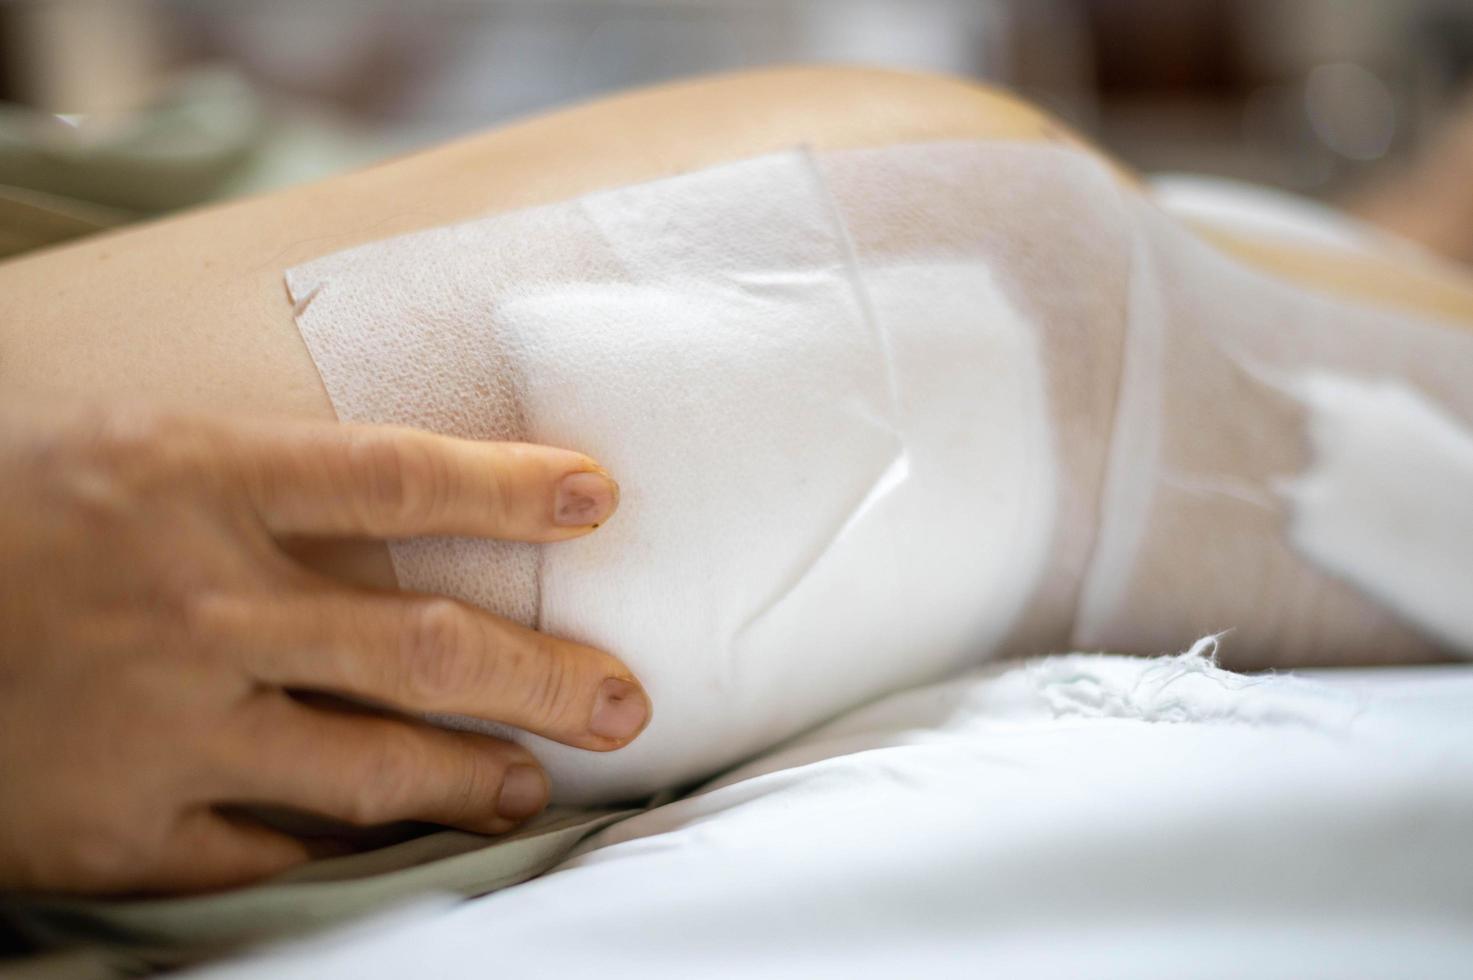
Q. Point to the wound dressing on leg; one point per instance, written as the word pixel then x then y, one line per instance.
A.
pixel 876 415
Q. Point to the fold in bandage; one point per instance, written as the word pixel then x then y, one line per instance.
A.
pixel 876 415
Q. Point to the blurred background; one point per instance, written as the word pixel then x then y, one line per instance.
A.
pixel 112 110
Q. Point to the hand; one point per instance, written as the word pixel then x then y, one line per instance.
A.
pixel 151 627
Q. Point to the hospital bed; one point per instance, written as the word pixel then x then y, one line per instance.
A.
pixel 1077 816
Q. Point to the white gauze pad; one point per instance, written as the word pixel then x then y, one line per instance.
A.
pixel 814 510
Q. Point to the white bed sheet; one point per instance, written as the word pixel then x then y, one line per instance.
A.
pixel 1079 816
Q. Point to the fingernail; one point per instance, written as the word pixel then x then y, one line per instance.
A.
pixel 621 710
pixel 523 792
pixel 585 498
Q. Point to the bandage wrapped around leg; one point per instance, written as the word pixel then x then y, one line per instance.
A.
pixel 878 415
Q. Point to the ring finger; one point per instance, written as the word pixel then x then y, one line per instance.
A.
pixel 366 769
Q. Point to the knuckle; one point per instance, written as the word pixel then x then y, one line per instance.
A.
pixel 104 859
pixel 504 488
pixel 438 656
pixel 400 483
pixel 208 617
pixel 140 449
pixel 551 682
pixel 131 436
pixel 102 462
pixel 387 792
pixel 477 789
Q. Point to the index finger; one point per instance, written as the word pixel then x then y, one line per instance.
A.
pixel 395 482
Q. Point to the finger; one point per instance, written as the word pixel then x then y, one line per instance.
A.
pixel 392 482
pixel 211 850
pixel 371 769
pixel 425 654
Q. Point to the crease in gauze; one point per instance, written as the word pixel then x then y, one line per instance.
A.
pixel 708 339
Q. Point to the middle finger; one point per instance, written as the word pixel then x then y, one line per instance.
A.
pixel 425 654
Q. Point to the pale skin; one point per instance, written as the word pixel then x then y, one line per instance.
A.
pixel 101 682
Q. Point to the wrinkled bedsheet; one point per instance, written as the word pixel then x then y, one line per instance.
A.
pixel 1079 815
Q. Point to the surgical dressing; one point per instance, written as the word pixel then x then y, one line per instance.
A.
pixel 877 415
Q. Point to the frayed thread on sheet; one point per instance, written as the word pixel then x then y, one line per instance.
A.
pixel 1187 688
